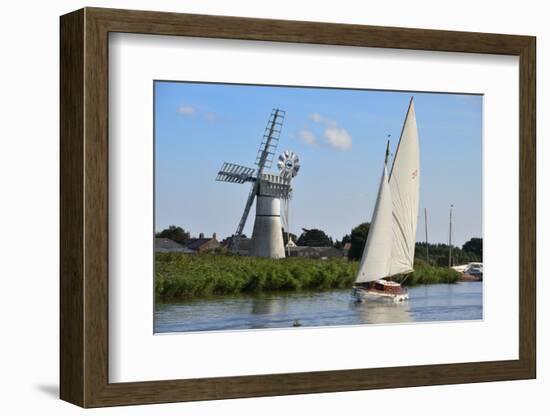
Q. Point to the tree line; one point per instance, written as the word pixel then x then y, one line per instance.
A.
pixel 433 254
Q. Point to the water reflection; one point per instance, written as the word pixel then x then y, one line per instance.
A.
pixel 383 312
pixel 268 306
pixel 440 302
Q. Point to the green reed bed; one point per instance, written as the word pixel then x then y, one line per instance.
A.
pixel 183 276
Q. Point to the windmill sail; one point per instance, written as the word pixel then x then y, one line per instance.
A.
pixel 263 160
pixel 376 260
pixel 404 184
pixel 389 249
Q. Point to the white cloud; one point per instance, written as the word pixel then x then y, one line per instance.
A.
pixel 338 138
pixel 187 110
pixel 318 118
pixel 307 137
pixel 334 135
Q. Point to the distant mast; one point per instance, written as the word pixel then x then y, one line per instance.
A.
pixel 426 228
pixel 450 236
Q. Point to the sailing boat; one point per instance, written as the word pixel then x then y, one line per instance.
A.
pixel 389 250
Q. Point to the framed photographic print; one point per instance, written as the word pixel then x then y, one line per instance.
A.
pixel 255 207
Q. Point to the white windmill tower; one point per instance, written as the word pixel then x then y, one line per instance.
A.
pixel 269 189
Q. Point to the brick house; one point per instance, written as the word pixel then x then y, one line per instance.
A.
pixel 202 244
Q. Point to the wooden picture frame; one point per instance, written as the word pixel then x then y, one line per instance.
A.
pixel 84 207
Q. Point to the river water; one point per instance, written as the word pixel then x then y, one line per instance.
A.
pixel 427 303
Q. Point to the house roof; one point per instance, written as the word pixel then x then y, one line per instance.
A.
pixel 196 243
pixel 165 244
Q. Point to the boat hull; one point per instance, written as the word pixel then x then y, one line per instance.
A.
pixel 380 291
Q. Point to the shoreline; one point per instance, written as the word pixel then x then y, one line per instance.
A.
pixel 181 276
pixel 279 293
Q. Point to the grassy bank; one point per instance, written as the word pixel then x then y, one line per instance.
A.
pixel 180 276
pixel 425 274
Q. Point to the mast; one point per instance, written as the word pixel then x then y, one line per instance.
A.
pixel 376 258
pixel 450 236
pixel 426 227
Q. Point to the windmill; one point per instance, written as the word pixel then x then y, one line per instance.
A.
pixel 267 188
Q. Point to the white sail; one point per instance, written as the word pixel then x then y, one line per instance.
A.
pixel 404 184
pixel 376 259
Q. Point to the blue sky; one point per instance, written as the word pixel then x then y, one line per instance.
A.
pixel 340 136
